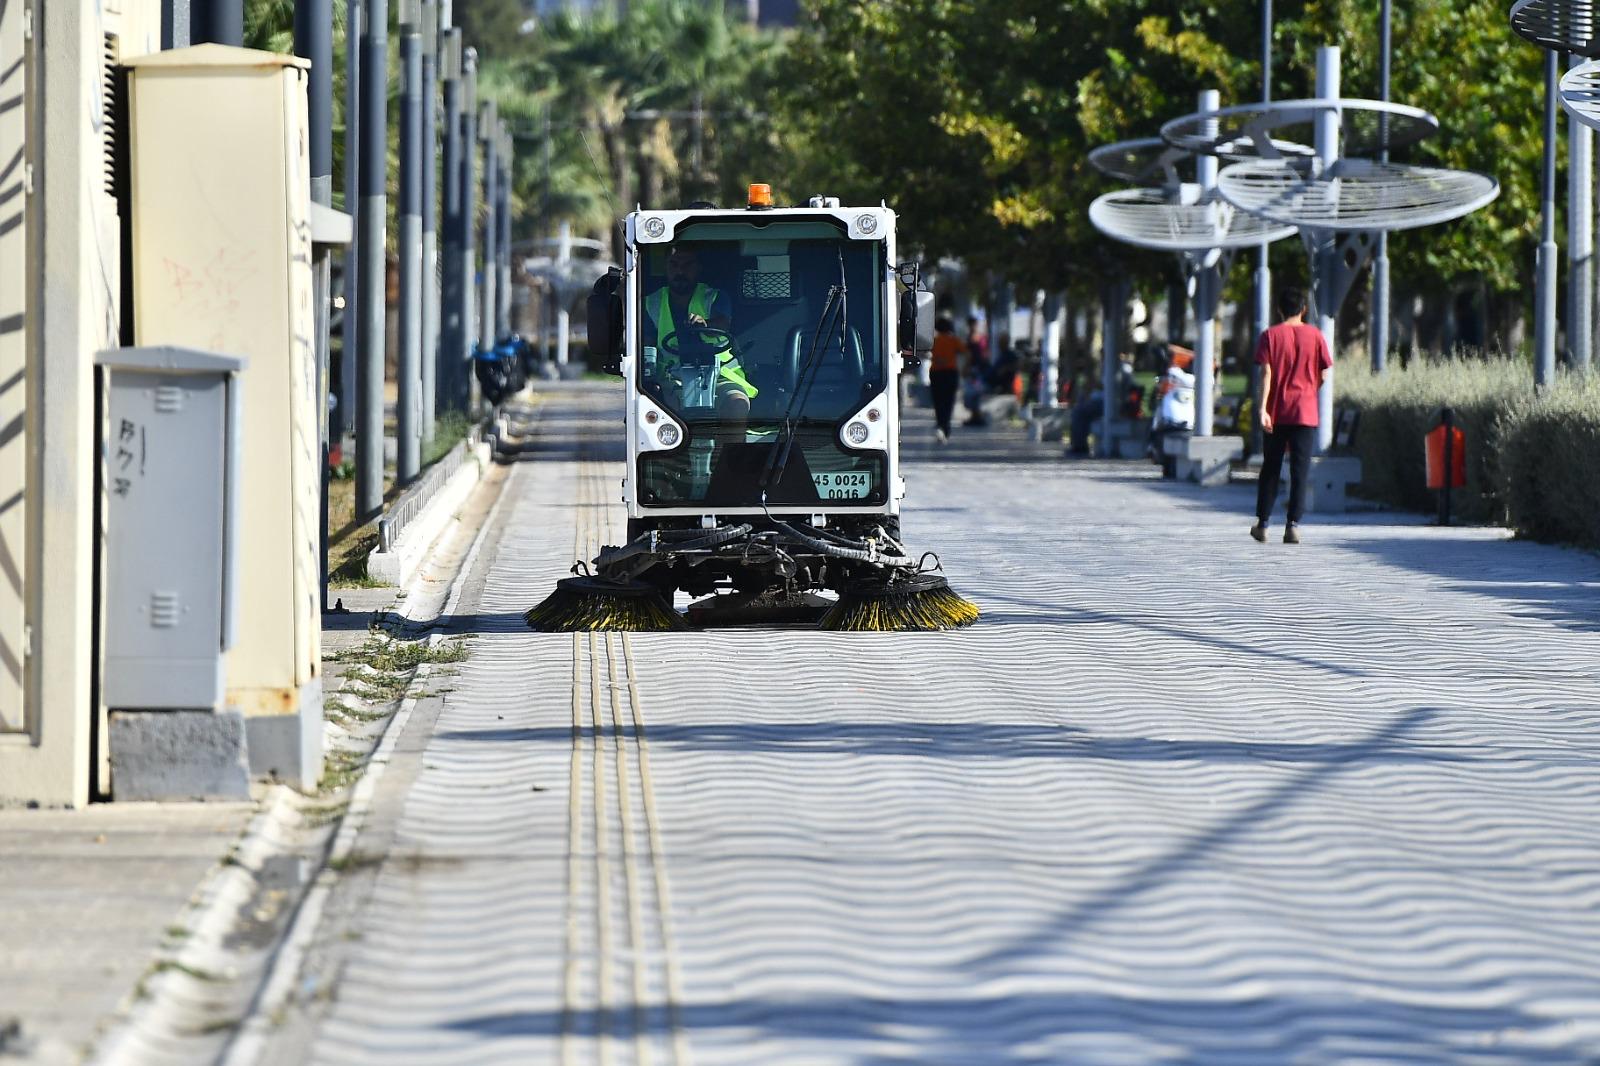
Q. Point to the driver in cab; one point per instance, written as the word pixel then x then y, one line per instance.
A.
pixel 689 317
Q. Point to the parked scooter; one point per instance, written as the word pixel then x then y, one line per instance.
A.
pixel 1174 408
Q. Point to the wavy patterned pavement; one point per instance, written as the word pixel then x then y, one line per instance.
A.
pixel 1177 798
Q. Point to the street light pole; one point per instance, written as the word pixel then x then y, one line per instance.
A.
pixel 1544 343
pixel 491 259
pixel 1263 293
pixel 344 412
pixel 313 40
pixel 1326 144
pixel 1378 339
pixel 216 22
pixel 468 233
pixel 430 233
pixel 370 263
pixel 408 408
pixel 503 290
pixel 452 331
pixel 1580 240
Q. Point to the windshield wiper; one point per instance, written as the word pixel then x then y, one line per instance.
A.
pixel 836 305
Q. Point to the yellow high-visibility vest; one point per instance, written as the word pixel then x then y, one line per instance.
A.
pixel 728 368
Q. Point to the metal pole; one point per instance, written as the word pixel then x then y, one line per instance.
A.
pixel 563 316
pixel 370 264
pixel 344 412
pixel 462 371
pixel 503 238
pixel 1544 343
pixel 1327 149
pixel 1580 240
pixel 430 231
pixel 175 24
pixel 1263 290
pixel 313 40
pixel 452 334
pixel 408 406
pixel 1205 293
pixel 491 254
pixel 1111 315
pixel 216 22
pixel 1378 332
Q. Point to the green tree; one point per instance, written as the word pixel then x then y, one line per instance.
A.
pixel 975 121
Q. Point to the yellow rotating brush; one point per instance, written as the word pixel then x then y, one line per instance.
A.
pixel 581 604
pixel 917 603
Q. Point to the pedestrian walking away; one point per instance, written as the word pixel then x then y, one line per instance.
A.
pixel 944 374
pixel 1294 359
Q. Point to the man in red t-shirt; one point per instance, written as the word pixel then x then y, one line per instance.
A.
pixel 1294 359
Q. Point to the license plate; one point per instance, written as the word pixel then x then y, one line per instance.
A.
pixel 854 485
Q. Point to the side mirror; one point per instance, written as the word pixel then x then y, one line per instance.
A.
pixel 605 321
pixel 916 320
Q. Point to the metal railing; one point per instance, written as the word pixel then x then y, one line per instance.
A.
pixel 410 503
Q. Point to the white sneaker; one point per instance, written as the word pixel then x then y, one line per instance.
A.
pixel 941 435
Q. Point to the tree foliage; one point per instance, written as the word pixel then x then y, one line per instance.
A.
pixel 976 120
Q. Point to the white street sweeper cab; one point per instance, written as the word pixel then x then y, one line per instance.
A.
pixel 761 349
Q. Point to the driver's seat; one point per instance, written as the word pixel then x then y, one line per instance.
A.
pixel 830 369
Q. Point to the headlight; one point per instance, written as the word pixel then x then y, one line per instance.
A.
pixel 654 227
pixel 856 433
pixel 867 224
pixel 667 434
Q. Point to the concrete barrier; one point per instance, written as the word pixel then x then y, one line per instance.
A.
pixel 1204 460
pixel 395 559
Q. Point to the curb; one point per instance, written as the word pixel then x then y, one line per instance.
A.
pixel 252 1040
pixel 399 565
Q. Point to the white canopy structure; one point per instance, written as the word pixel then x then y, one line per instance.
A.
pixel 1354 194
pixel 1187 218
pixel 1340 205
pixel 1559 25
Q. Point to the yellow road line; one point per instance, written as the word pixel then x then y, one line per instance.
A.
pixel 569 982
pixel 630 868
pixel 658 863
pixel 602 867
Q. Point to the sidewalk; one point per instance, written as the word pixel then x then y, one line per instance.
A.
pixel 102 909
pixel 1177 797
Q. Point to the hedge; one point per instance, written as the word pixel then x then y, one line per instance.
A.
pixel 1532 461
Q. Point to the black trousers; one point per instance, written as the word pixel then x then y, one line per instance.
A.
pixel 1298 441
pixel 944 385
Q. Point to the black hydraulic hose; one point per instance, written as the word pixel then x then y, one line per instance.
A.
pixel 650 543
pixel 839 551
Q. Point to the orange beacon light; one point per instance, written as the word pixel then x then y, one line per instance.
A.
pixel 761 195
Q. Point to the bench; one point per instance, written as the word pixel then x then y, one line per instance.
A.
pixel 1203 460
pixel 1000 407
pixel 1048 421
pixel 1127 439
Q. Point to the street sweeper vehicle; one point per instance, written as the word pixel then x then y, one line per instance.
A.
pixel 761 349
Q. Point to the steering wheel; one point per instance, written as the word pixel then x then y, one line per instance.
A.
pixel 694 341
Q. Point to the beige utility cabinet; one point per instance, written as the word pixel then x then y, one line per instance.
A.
pixel 222 262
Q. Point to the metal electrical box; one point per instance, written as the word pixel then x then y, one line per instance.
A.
pixel 219 182
pixel 169 474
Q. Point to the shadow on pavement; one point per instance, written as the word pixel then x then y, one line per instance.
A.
pixel 948 740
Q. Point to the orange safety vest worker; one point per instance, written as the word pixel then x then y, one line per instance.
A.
pixel 728 368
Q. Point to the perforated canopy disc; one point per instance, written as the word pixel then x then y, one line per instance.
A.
pixel 1580 93
pixel 1561 25
pixel 1354 194
pixel 1152 161
pixel 1147 161
pixel 1148 218
pixel 1261 131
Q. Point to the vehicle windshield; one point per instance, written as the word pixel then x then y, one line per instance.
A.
pixel 749 329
